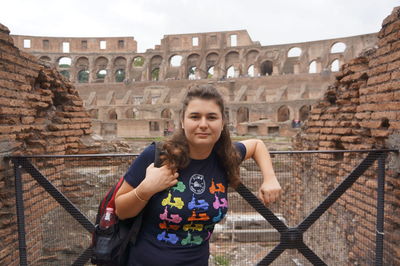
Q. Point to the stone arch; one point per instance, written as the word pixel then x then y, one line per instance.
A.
pixel 266 68
pixel 45 58
pixel 132 113
pixel 251 56
pixel 335 65
pixel 304 112
pixel 294 52
pixel 242 115
pixel 138 61
pixel 120 62
pixel 231 58
pixel 94 113
pixel 119 75
pixel 283 113
pixel 338 47
pixel 155 66
pixel 112 114
pixel 166 113
pixel 250 71
pixel 64 62
pixel 230 72
pixel 211 62
pixel 83 76
pixel 210 72
pixel 101 64
pixel 312 67
pixel 175 60
pixel 193 61
pixel 211 59
pixel 82 63
pixel 65 73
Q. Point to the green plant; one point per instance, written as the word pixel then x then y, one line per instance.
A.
pixel 221 260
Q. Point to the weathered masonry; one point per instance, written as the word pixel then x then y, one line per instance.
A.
pixel 137 94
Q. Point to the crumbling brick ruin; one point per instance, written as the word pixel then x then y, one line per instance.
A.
pixel 40 113
pixel 361 110
pixel 131 94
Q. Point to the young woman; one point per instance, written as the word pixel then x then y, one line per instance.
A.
pixel 187 196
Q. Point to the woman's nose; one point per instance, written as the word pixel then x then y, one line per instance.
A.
pixel 203 122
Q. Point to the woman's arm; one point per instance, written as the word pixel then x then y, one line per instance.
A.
pixel 129 201
pixel 270 189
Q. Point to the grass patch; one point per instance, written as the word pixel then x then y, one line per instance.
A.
pixel 221 260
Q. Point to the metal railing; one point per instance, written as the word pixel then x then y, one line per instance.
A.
pixel 73 180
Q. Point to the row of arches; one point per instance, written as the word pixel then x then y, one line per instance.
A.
pixel 283 114
pixel 119 73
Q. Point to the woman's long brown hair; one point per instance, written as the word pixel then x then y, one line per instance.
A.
pixel 176 149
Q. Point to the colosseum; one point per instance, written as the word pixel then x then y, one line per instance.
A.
pixel 269 90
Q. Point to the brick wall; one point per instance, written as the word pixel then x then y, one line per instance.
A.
pixel 361 110
pixel 40 113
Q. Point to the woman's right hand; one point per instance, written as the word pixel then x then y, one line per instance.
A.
pixel 156 180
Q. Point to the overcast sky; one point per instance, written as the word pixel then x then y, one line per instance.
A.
pixel 267 21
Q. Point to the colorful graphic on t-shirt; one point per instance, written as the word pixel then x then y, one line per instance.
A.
pixel 218 188
pixel 198 204
pixel 198 207
pixel 197 184
pixel 191 226
pixel 164 236
pixel 174 218
pixel 220 203
pixel 191 240
pixel 176 202
pixel 179 186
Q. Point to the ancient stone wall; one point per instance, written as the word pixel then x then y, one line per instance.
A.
pixel 132 94
pixel 361 110
pixel 40 113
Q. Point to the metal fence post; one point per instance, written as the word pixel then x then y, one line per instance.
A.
pixel 20 213
pixel 380 211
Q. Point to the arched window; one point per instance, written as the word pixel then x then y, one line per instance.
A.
pixel 155 74
pixel 112 115
pixel 100 75
pixel 335 65
pixel 283 113
pixel 64 62
pixel 83 76
pixel 192 73
pixel 266 68
pixel 138 61
pixel 312 68
pixel 120 75
pixel 65 73
pixel 242 115
pixel 166 113
pixel 304 111
pixel 338 47
pixel 294 52
pixel 210 72
pixel 45 58
pixel 176 60
pixel 250 71
pixel 230 72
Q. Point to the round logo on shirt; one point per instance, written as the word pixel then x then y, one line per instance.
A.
pixel 197 184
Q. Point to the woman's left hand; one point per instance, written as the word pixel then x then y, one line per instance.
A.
pixel 269 191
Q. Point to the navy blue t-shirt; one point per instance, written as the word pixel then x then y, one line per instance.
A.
pixel 178 222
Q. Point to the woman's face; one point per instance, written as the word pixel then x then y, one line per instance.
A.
pixel 202 122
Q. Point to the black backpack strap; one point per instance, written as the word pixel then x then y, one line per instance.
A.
pixel 157 159
pixel 134 230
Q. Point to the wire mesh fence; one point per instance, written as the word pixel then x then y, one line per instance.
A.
pixel 243 237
